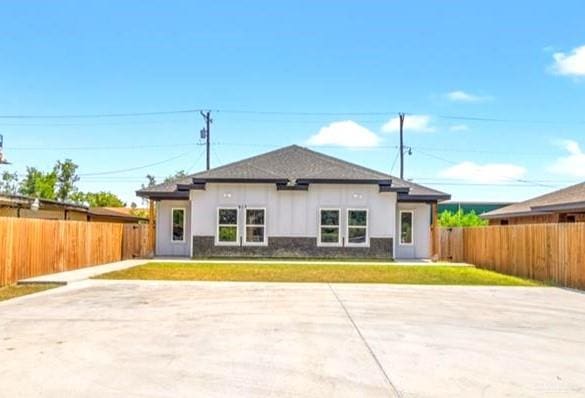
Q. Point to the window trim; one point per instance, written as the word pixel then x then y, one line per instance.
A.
pixel 237 225
pixel 329 244
pixel 411 230
pixel 366 227
pixel 246 225
pixel 173 224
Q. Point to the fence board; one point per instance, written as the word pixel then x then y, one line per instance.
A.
pixel 32 247
pixel 545 252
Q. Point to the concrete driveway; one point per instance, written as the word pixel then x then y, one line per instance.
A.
pixel 182 339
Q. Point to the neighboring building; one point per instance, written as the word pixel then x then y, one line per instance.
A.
pixel 293 202
pixel 114 214
pixel 467 207
pixel 27 207
pixel 565 205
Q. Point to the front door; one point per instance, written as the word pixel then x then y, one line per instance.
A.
pixel 405 245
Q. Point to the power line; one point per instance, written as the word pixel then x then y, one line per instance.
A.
pixel 98 148
pixel 510 178
pixel 134 168
pixel 99 115
pixel 286 113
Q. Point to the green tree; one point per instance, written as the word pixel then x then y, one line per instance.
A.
pixel 36 183
pixel 9 183
pixel 178 174
pixel 460 219
pixel 97 199
pixel 103 199
pixel 67 177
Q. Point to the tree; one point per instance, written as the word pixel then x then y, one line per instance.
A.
pixel 103 199
pixel 97 199
pixel 38 184
pixel 66 179
pixel 151 181
pixel 9 183
pixel 178 174
pixel 460 219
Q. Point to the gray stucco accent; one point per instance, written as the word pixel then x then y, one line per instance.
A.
pixel 380 248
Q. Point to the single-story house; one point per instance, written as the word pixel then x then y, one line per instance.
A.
pixel 28 207
pixel 293 202
pixel 123 215
pixel 564 205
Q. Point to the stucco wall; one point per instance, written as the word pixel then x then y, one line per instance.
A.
pixel 294 213
pixel 164 245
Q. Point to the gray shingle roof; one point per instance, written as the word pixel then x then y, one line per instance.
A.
pixel 574 194
pixel 294 163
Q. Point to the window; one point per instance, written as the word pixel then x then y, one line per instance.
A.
pixel 255 226
pixel 503 222
pixel 227 225
pixel 406 227
pixel 357 227
pixel 178 227
pixel 329 227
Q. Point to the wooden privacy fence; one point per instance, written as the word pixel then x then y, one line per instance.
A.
pixel 32 247
pixel 545 252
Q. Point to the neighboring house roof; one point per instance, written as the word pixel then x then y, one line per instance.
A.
pixel 567 199
pixel 122 213
pixel 9 200
pixel 293 166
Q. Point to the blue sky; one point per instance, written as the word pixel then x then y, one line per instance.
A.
pixel 337 71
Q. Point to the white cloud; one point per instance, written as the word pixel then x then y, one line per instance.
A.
pixel 418 123
pixel 462 96
pixel 570 64
pixel 346 133
pixel 486 173
pixel 573 164
pixel 459 127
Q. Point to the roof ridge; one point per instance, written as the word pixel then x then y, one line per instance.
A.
pixel 333 159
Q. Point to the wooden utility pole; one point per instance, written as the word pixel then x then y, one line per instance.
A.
pixel 205 133
pixel 401 117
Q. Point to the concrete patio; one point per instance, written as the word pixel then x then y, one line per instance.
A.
pixel 220 339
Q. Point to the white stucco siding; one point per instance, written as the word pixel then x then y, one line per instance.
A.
pixel 294 213
pixel 421 247
pixel 164 245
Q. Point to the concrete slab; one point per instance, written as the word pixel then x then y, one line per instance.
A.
pixel 82 273
pixel 185 339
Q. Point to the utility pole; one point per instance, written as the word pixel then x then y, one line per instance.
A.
pixel 205 133
pixel 401 116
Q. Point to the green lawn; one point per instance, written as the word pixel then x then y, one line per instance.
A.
pixel 315 272
pixel 12 291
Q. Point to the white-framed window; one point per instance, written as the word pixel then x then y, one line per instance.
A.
pixel 255 226
pixel 177 225
pixel 227 226
pixel 357 227
pixel 406 227
pixel 329 231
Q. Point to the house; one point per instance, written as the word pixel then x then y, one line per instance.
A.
pixel 564 205
pixel 114 214
pixel 27 207
pixel 467 207
pixel 293 202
